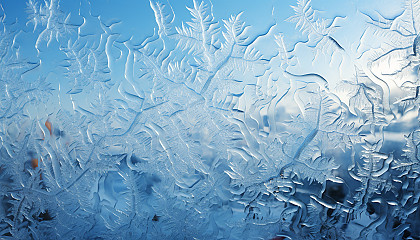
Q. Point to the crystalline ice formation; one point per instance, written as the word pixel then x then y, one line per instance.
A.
pixel 209 120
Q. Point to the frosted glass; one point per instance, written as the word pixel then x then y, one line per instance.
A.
pixel 211 119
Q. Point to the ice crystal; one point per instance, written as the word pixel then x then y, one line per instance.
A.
pixel 209 126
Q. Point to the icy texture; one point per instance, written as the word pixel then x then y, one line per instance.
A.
pixel 207 127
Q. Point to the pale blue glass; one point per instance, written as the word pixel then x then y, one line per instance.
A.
pixel 211 119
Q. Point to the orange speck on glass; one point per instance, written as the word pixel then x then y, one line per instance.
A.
pixel 49 126
pixel 34 163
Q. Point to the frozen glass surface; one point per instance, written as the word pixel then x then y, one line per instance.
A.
pixel 212 119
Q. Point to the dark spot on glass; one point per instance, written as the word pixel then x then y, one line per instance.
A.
pixel 155 218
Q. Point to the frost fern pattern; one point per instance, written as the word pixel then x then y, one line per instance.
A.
pixel 209 128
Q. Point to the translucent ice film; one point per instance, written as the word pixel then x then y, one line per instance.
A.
pixel 213 119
